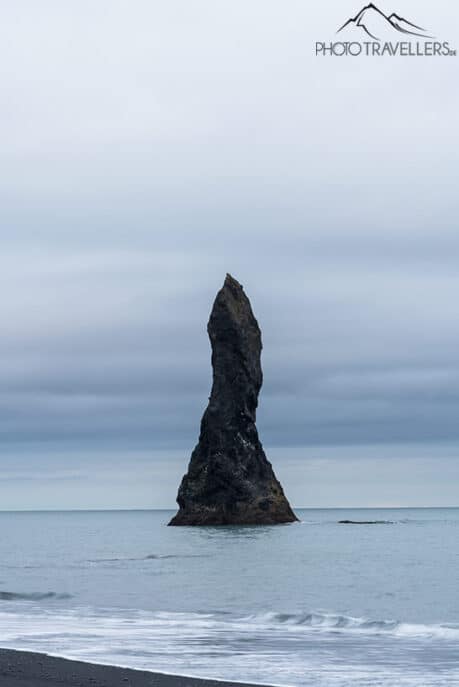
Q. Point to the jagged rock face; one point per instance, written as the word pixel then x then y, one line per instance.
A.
pixel 229 479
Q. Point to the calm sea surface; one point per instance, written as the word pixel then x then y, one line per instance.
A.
pixel 314 603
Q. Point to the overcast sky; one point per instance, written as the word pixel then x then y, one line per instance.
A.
pixel 147 148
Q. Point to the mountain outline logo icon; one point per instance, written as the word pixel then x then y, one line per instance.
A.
pixel 372 33
pixel 372 20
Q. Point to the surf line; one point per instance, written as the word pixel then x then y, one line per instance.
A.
pixel 376 49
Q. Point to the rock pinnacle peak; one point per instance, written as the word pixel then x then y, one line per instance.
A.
pixel 230 280
pixel 229 479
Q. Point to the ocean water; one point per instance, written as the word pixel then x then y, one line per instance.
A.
pixel 315 603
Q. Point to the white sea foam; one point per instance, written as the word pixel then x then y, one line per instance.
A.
pixel 337 622
pixel 314 648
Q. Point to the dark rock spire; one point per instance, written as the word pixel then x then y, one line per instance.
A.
pixel 229 479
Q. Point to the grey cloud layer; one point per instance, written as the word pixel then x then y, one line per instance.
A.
pixel 358 352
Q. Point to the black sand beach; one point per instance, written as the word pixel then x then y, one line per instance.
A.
pixel 26 669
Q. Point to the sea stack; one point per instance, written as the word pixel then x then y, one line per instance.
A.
pixel 229 479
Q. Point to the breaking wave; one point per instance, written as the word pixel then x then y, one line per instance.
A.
pixel 338 622
pixel 32 596
pixel 149 557
pixel 160 556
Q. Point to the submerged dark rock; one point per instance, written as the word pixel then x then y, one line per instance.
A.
pixel 229 479
pixel 365 522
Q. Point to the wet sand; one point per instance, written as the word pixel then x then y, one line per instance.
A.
pixel 26 669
